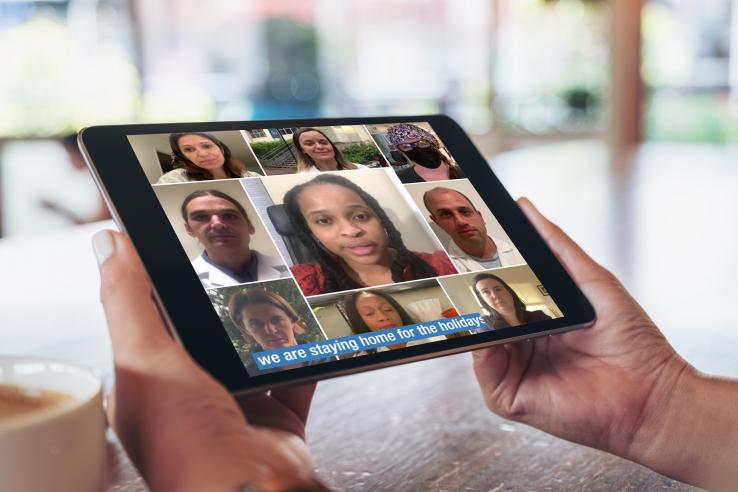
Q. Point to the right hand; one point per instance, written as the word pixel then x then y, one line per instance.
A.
pixel 606 386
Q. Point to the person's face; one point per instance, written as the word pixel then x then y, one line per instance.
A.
pixel 420 152
pixel 343 223
pixel 316 146
pixel 454 214
pixel 377 313
pixel 201 151
pixel 495 295
pixel 217 223
pixel 269 325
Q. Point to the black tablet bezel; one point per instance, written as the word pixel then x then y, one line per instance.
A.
pixel 138 212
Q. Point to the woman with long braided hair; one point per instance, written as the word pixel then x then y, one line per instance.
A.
pixel 354 242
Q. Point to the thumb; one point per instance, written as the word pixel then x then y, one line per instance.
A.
pixel 137 331
pixel 596 282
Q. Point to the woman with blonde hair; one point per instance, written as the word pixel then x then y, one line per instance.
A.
pixel 316 153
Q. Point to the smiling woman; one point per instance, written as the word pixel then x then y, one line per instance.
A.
pixel 316 152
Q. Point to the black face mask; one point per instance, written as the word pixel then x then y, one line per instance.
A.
pixel 429 157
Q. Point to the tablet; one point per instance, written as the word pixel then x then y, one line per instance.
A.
pixel 295 250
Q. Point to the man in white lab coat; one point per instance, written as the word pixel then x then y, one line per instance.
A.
pixel 222 226
pixel 471 248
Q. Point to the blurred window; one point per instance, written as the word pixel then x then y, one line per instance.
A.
pixel 279 58
pixel 690 69
pixel 552 66
pixel 70 64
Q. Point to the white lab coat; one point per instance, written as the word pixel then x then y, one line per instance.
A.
pixel 268 268
pixel 464 263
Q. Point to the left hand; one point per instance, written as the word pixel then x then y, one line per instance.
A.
pixel 182 429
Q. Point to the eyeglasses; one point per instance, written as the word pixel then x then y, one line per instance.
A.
pixel 420 144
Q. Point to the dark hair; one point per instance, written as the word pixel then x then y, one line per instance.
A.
pixel 497 320
pixel 216 193
pixel 335 276
pixel 454 172
pixel 231 166
pixel 443 188
pixel 245 297
pixel 357 323
pixel 305 161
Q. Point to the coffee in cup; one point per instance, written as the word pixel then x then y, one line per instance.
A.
pixel 17 401
pixel 52 427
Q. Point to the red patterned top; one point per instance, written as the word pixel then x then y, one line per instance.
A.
pixel 311 280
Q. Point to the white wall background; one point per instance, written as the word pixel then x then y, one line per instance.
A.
pixel 171 197
pixel 416 191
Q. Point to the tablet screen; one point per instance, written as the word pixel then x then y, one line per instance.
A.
pixel 322 243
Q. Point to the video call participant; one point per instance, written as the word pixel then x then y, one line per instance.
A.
pixel 316 153
pixel 471 248
pixel 267 321
pixel 373 310
pixel 353 240
pixel 504 306
pixel 202 157
pixel 222 226
pixel 421 147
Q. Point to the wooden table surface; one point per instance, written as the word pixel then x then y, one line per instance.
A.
pixel 420 426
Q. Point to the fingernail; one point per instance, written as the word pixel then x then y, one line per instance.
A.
pixel 103 245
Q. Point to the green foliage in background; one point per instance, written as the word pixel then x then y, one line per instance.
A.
pixel 263 148
pixel 285 288
pixel 690 117
pixel 362 153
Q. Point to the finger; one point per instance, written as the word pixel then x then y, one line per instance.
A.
pixel 490 367
pixel 582 268
pixel 297 398
pixel 262 410
pixel 136 329
pixel 499 371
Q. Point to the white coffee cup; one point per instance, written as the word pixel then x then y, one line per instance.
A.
pixel 59 448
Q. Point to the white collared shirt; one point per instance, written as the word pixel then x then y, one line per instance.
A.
pixel 464 262
pixel 268 268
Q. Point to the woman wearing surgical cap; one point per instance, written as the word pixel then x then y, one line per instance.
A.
pixel 421 148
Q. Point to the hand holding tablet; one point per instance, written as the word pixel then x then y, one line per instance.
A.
pixel 275 261
pixel 182 429
pixel 683 427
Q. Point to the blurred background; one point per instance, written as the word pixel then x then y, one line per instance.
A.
pixel 619 117
pixel 514 73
